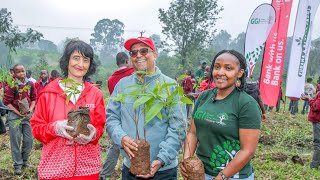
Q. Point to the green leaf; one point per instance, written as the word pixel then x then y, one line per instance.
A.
pixel 141 101
pixel 214 156
pixel 186 100
pixel 159 115
pixel 180 90
pixel 153 111
pixel 66 80
pixel 182 77
pixel 68 99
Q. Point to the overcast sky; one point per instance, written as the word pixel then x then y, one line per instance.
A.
pixel 58 19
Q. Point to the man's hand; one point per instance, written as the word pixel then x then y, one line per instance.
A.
pixel 128 145
pixel 155 166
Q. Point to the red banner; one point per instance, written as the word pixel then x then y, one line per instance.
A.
pixel 273 59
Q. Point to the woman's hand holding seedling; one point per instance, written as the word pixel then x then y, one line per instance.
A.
pixel 83 139
pixel 61 128
pixel 128 145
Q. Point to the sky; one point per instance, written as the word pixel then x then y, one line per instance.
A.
pixel 58 19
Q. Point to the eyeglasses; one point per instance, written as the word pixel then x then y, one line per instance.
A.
pixel 143 52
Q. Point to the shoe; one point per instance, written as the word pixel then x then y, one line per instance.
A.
pixel 18 171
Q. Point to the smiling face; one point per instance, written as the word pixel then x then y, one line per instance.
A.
pixel 20 72
pixel 143 62
pixel 226 71
pixel 78 66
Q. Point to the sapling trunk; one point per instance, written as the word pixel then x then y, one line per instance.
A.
pixel 140 163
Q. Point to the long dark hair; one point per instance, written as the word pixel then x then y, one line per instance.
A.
pixel 242 62
pixel 84 49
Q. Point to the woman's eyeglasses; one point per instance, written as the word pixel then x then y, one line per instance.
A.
pixel 143 52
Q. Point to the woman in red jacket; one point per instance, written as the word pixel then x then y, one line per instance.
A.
pixel 65 157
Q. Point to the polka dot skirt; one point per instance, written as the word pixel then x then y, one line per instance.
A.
pixel 61 160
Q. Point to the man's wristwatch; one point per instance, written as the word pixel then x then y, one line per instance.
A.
pixel 223 176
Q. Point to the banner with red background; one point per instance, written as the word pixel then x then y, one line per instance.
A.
pixel 273 58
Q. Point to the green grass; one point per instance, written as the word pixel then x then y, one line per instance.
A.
pixel 282 137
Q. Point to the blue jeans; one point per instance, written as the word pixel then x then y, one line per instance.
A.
pixel 251 177
pixel 170 174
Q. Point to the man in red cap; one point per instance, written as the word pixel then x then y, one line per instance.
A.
pixel 165 136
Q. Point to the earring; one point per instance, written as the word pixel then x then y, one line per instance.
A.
pixel 238 83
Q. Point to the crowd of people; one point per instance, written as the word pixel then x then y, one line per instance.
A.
pixel 225 120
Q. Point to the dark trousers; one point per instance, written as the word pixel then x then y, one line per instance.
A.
pixel 315 163
pixel 170 174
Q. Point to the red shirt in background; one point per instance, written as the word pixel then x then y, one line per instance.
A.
pixel 117 75
pixel 10 98
pixel 205 85
pixel 187 85
pixel 40 86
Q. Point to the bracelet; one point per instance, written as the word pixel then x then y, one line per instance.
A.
pixel 223 176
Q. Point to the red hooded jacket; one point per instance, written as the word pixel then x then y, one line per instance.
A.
pixel 314 114
pixel 117 75
pixel 58 158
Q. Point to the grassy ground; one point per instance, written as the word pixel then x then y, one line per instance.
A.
pixel 284 151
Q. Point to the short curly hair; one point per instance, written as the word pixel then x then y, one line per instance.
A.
pixel 84 49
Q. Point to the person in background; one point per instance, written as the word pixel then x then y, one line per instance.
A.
pixel 294 104
pixel 23 89
pixel 188 91
pixel 123 70
pixel 53 75
pixel 163 135
pixel 226 123
pixel 199 74
pixel 314 118
pixel 206 83
pixel 28 74
pixel 308 90
pixel 65 157
pixel 279 100
pixel 42 82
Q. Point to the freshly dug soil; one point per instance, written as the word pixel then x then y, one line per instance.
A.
pixel 194 168
pixel 140 164
pixel 79 119
pixel 23 105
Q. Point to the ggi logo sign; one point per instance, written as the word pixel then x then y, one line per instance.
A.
pixel 255 21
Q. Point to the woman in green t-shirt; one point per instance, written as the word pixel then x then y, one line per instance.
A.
pixel 226 122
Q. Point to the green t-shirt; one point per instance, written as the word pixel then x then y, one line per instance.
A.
pixel 218 123
pixel 200 73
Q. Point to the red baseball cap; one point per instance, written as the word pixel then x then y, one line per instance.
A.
pixel 144 40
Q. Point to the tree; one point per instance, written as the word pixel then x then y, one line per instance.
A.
pixel 47 45
pixel 238 43
pixel 190 25
pixel 12 37
pixel 40 64
pixel 221 41
pixel 107 37
pixel 157 42
pixel 314 58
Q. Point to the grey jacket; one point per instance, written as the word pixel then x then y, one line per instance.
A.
pixel 165 136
